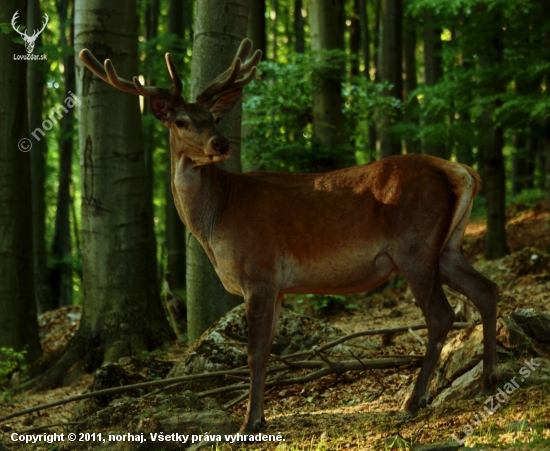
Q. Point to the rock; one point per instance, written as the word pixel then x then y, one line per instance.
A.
pixel 183 414
pixel 462 353
pixel 464 387
pixel 224 345
pixel 440 446
pixel 510 334
pixel 534 323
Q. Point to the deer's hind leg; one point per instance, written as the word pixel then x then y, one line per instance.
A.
pixel 423 280
pixel 458 274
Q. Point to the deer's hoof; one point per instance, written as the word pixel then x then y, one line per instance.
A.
pixel 251 428
pixel 489 382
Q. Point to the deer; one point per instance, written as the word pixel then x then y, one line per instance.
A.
pixel 28 40
pixel 341 232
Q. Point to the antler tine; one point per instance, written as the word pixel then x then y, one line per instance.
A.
pixel 120 83
pixel 177 86
pixel 107 73
pixel 227 80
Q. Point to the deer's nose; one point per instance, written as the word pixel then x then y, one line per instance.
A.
pixel 219 145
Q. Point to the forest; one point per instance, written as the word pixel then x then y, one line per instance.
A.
pixel 102 286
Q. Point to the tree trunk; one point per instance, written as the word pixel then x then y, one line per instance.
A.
pixel 18 324
pixel 256 25
pixel 433 71
pixel 491 150
pixel 410 85
pixel 213 52
pixel 391 71
pixel 365 47
pixel 355 38
pixel 122 313
pixel 61 273
pixel 326 24
pixel 274 13
pixel 175 230
pixel 299 27
pixel 35 86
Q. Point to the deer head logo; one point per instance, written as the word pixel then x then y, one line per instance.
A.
pixel 29 40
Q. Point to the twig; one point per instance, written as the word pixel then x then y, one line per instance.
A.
pixel 338 367
pixel 244 371
pixel 235 401
pixel 370 332
pixel 418 337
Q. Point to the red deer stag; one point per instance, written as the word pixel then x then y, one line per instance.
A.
pixel 346 231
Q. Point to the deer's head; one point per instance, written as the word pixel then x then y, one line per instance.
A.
pixel 193 126
pixel 28 40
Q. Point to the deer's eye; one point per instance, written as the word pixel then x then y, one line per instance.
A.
pixel 182 124
pixel 217 120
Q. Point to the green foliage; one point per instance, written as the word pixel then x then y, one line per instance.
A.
pixel 325 304
pixel 278 112
pixel 10 362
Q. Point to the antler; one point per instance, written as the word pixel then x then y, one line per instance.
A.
pixel 227 81
pixel 36 32
pixel 108 74
pixel 15 27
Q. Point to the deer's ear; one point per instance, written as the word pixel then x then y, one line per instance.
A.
pixel 225 103
pixel 159 108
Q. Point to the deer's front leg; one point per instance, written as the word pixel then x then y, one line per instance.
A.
pixel 262 306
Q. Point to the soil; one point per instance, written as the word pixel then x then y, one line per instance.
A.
pixel 357 410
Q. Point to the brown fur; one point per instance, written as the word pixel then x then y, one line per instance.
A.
pixel 346 231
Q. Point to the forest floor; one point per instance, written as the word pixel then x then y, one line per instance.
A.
pixel 359 410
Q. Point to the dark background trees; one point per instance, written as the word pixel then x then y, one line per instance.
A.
pixel 342 82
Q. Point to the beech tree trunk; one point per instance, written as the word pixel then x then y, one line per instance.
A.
pixel 326 24
pixel 299 27
pixel 365 48
pixel 219 29
pixel 391 69
pixel 256 25
pixel 491 150
pixel 122 312
pixel 175 230
pixel 18 324
pixel 61 272
pixel 411 84
pixel 433 71
pixel 35 87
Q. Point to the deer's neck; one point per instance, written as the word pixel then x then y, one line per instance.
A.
pixel 199 194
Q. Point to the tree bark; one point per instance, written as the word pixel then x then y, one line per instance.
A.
pixel 433 71
pixel 410 85
pixel 18 324
pixel 122 313
pixel 365 48
pixel 61 273
pixel 300 44
pixel 175 230
pixel 256 25
pixel 391 69
pixel 491 150
pixel 326 24
pixel 35 86
pixel 213 52
pixel 355 38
